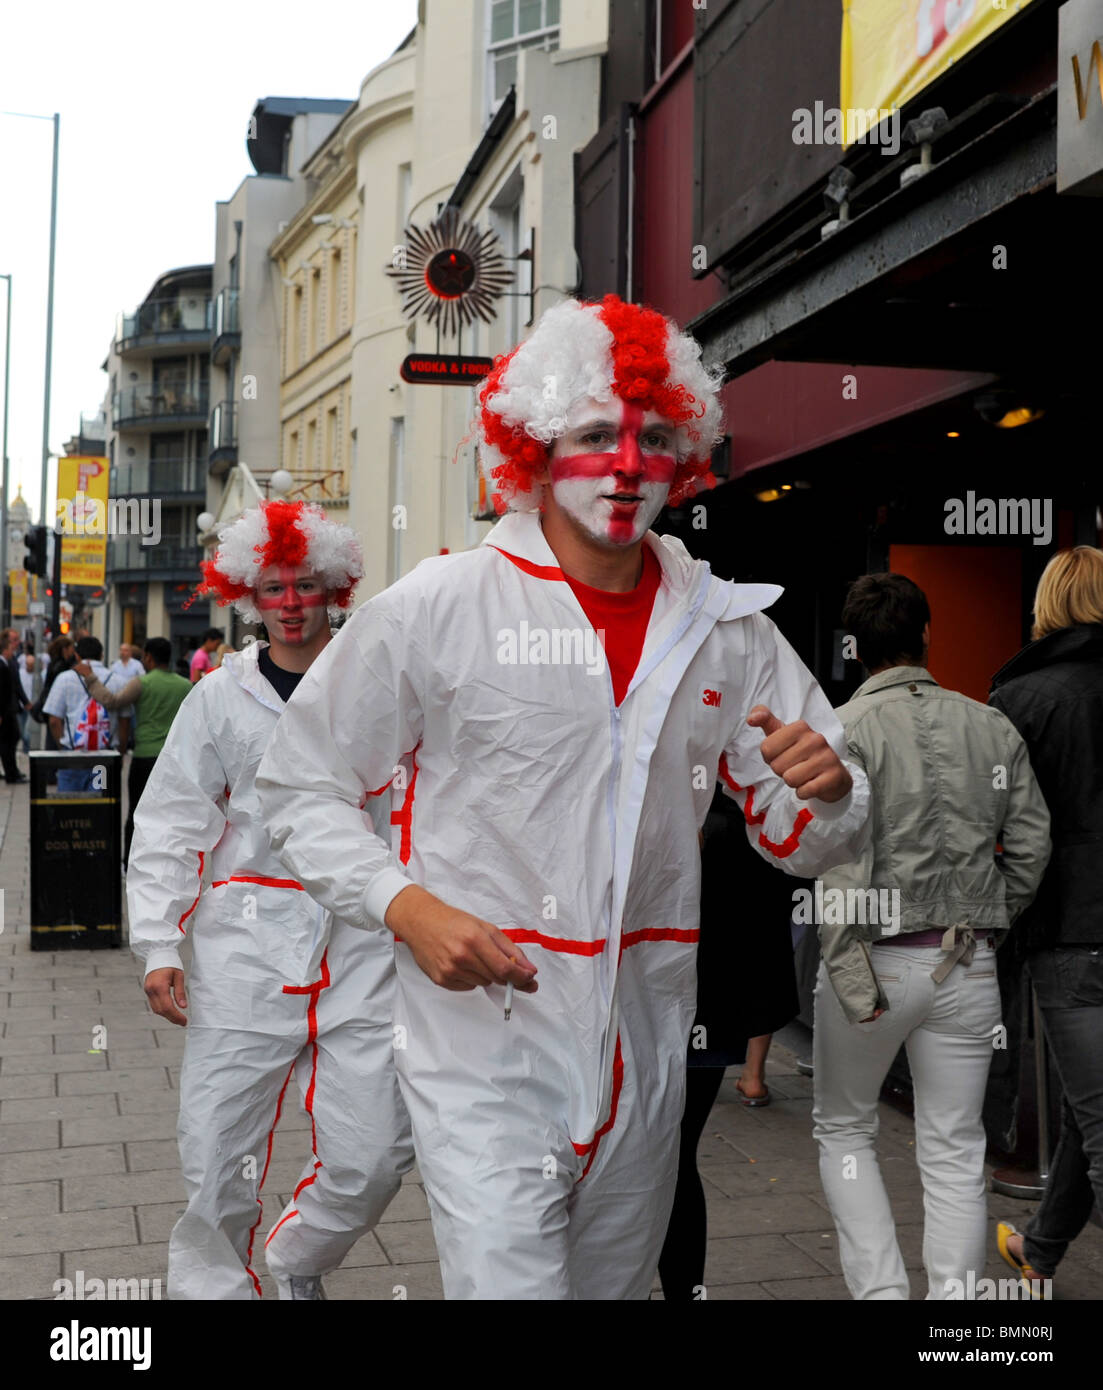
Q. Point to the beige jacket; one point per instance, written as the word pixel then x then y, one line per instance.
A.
pixel 952 786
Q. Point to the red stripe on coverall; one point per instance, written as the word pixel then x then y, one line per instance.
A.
pixel 537 571
pixel 260 1205
pixel 791 841
pixel 279 1223
pixel 405 817
pixel 618 1081
pixel 313 990
pixel 527 936
pixel 199 892
pixel 259 878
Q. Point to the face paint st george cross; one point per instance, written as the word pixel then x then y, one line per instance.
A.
pixel 612 471
pixel 292 601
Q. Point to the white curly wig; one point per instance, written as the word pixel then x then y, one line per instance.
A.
pixel 282 533
pixel 599 350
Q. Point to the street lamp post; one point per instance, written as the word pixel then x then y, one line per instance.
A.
pixel 38 622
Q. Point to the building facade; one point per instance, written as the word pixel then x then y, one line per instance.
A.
pixel 156 410
pixel 244 435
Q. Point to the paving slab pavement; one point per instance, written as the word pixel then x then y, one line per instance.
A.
pixel 89 1176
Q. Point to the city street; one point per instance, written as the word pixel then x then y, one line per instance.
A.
pixel 89 1174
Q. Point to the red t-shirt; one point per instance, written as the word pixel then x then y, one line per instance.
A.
pixel 624 617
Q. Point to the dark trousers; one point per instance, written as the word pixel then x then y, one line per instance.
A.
pixel 1068 983
pixel 9 737
pixel 140 768
pixel 682 1263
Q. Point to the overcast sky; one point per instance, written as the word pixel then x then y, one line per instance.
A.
pixel 154 102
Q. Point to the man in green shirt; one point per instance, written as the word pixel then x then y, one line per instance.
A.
pixel 157 696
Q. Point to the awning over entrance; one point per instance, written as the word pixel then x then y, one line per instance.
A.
pixel 976 266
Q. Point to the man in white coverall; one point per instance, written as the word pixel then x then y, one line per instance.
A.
pixel 277 986
pixel 556 793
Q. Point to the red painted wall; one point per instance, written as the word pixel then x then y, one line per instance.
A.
pixel 974 593
pixel 783 408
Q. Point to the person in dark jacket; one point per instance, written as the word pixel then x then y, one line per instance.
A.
pixel 11 702
pixel 62 656
pixel 1052 691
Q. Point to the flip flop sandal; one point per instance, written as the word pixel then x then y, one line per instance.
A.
pixel 1031 1280
pixel 754 1102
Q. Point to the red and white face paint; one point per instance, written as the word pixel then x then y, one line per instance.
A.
pixel 292 603
pixel 611 472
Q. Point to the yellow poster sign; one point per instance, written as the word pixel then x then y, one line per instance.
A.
pixel 82 484
pixel 17 579
pixel 892 49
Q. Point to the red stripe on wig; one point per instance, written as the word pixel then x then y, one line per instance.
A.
pixel 641 369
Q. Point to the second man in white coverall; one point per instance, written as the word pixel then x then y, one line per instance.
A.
pixel 277 985
pixel 566 695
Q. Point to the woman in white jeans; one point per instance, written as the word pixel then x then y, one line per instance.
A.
pixel 949 1030
pixel 959 833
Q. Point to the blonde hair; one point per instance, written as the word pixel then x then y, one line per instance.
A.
pixel 1069 591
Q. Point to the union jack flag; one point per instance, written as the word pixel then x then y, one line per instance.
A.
pixel 94 728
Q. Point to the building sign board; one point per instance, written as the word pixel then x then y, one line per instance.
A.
pixel 892 49
pixel 1080 98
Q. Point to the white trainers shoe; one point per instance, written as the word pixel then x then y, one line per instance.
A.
pixel 301 1286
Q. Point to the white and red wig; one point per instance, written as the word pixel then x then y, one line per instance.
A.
pixel 603 350
pixel 282 533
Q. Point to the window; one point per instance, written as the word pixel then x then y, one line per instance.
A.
pixel 405 193
pixel 398 510
pixel 313 332
pixel 331 439
pixel 514 25
pixel 333 307
pixel 310 463
pixel 291 463
pixel 294 329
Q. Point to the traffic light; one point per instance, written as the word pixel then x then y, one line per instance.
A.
pixel 64 627
pixel 35 559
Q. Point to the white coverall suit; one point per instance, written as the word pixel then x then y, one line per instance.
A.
pixel 548 1144
pixel 276 986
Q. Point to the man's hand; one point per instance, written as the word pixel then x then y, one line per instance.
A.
pixel 166 994
pixel 802 758
pixel 82 668
pixel 874 1016
pixel 456 950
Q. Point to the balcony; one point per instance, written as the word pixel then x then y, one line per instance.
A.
pixel 165 325
pixel 129 561
pixel 161 407
pixel 222 438
pixel 174 477
pixel 225 327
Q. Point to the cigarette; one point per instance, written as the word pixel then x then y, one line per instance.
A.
pixel 509 1000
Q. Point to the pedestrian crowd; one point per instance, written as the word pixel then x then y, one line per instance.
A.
pixel 514 919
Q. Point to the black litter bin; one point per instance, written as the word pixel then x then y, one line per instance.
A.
pixel 76 851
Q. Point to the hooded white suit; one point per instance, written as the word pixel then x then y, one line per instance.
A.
pixel 276 986
pixel 548 1144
